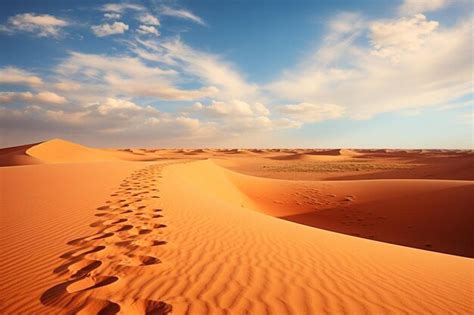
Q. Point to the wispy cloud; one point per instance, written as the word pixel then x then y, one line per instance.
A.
pixel 408 63
pixel 148 19
pixel 409 7
pixel 109 29
pixel 13 75
pixel 121 7
pixel 146 29
pixel 32 98
pixel 182 14
pixel 310 113
pixel 42 25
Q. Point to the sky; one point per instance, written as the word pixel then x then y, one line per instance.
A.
pixel 210 73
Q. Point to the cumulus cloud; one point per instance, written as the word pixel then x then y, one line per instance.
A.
pixel 118 75
pixel 148 19
pixel 44 25
pixel 112 16
pixel 408 63
pixel 145 29
pixel 109 29
pixel 13 75
pixel 232 108
pixel 392 38
pixel 409 7
pixel 309 113
pixel 182 14
pixel 32 98
pixel 109 121
pixel 111 104
pixel 121 7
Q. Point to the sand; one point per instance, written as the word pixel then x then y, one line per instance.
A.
pixel 95 231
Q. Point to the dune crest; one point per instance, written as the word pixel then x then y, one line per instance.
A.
pixel 61 151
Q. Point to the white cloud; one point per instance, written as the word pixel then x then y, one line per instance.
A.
pixel 109 29
pixel 144 29
pixel 44 25
pixel 13 75
pixel 67 86
pixel 121 7
pixel 408 64
pixel 409 7
pixel 207 68
pixel 126 75
pixel 112 16
pixel 231 108
pixel 148 19
pixel 111 104
pixel 261 109
pixel 31 98
pixel 191 123
pixel 309 113
pixel 392 38
pixel 182 14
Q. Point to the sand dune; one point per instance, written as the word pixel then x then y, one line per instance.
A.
pixel 61 151
pixel 17 156
pixel 406 212
pixel 190 237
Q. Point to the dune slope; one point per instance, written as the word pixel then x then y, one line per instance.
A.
pixel 428 214
pixel 184 239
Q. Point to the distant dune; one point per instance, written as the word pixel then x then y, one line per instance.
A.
pixel 61 151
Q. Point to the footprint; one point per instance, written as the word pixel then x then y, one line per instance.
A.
pixel 137 261
pixel 109 309
pixel 157 308
pixel 104 235
pixel 82 251
pixel 102 208
pixel 89 283
pixel 82 268
pixel 125 228
pixel 144 231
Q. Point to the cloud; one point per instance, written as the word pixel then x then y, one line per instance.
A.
pixel 232 108
pixel 127 75
pixel 111 104
pixel 144 29
pixel 148 19
pixel 121 7
pixel 310 113
pixel 13 75
pixel 109 29
pixel 392 38
pixel 408 63
pixel 109 121
pixel 206 67
pixel 67 86
pixel 182 14
pixel 44 25
pixel 31 98
pixel 409 7
pixel 112 16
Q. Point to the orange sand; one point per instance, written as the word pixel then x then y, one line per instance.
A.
pixel 140 231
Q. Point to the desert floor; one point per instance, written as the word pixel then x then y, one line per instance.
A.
pixel 207 231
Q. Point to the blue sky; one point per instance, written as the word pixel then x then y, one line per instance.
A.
pixel 238 73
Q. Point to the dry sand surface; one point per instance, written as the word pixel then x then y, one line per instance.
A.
pixel 206 231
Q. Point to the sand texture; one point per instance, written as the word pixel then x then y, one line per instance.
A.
pixel 207 231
